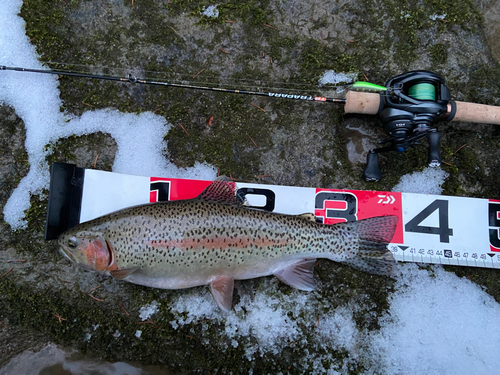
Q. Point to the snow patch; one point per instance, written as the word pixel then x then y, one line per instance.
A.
pixel 146 311
pixel 330 77
pixel 438 324
pixel 211 11
pixel 437 17
pixel 428 181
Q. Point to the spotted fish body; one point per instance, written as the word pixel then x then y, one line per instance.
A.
pixel 213 240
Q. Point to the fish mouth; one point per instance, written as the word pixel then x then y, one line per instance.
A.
pixel 72 259
pixel 67 255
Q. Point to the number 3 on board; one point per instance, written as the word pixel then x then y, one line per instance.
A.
pixel 444 231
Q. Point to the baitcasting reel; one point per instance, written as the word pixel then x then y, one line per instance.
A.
pixel 409 105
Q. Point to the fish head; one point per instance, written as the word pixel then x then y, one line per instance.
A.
pixel 89 249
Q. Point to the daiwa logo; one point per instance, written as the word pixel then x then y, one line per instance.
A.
pixel 386 199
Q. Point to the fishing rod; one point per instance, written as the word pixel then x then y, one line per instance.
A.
pixel 131 79
pixel 408 106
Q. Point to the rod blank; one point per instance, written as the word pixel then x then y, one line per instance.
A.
pixel 131 79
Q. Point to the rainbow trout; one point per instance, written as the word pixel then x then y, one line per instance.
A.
pixel 214 240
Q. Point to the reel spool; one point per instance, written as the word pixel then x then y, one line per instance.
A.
pixel 410 104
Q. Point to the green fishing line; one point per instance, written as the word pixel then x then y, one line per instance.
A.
pixel 423 91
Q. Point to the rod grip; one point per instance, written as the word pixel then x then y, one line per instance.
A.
pixel 472 112
pixel 365 103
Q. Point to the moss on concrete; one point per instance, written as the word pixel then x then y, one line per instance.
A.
pixel 251 12
pixel 95 150
pixel 438 54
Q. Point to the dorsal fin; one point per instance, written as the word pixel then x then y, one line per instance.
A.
pixel 222 190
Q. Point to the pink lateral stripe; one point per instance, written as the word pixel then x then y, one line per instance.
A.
pixel 212 243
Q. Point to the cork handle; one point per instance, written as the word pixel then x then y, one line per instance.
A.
pixel 369 104
pixel 471 112
pixel 362 102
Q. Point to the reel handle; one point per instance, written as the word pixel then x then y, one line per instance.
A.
pixel 434 154
pixel 372 170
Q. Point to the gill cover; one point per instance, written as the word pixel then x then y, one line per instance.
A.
pixel 90 251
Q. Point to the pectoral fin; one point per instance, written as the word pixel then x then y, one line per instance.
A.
pixel 222 290
pixel 300 275
pixel 123 273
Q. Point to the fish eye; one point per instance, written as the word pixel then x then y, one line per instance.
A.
pixel 72 243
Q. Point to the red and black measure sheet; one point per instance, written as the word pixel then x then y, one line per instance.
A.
pixel 432 228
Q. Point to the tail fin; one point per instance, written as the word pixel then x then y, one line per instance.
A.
pixel 374 234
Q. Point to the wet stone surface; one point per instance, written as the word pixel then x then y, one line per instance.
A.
pixel 267 44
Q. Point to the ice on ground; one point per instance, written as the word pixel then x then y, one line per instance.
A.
pixel 438 324
pixel 429 181
pixel 274 320
pixel 330 77
pixel 435 17
pixel 211 11
pixel 146 311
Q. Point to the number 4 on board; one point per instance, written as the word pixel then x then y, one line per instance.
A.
pixel 443 230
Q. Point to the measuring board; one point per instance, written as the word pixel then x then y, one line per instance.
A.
pixel 431 229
